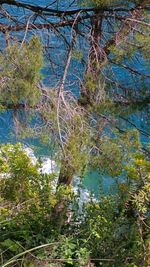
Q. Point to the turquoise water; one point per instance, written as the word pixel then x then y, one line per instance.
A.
pixel 99 183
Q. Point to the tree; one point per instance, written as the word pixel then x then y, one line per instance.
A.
pixel 104 46
pixel 117 37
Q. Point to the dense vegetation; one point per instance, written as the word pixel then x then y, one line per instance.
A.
pixel 110 231
pixel 43 222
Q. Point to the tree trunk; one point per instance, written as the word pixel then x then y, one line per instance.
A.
pixel 66 174
pixel 61 208
pixel 92 90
